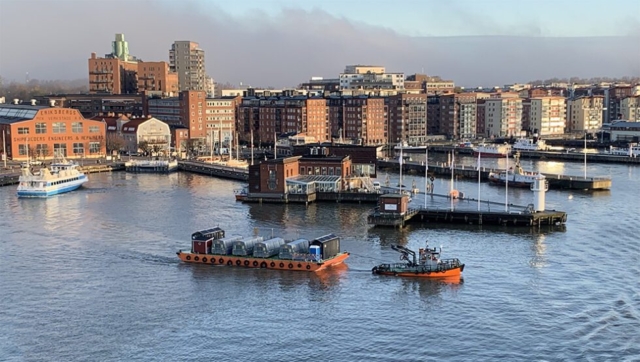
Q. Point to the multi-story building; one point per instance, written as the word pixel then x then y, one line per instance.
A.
pixel 156 77
pixel 220 120
pixel 547 116
pixel 370 77
pixel 613 99
pixel 122 73
pixel 48 132
pixel 503 117
pixel 365 120
pixel 187 59
pixel 468 113
pixel 584 114
pixel 430 85
pixel 98 104
pixel 146 134
pixel 407 115
pixel 630 108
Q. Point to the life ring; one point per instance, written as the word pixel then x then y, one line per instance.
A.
pixel 282 265
pixel 299 265
pixel 230 263
pixel 196 258
pixel 238 262
pixel 213 260
pixel 221 261
pixel 263 265
pixel 188 257
pixel 272 264
pixel 308 267
pixel 246 263
pixel 204 260
pixel 255 263
pixel 290 266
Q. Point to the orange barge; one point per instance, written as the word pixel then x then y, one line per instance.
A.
pixel 212 247
pixel 428 265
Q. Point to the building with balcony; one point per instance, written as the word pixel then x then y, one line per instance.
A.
pixel 584 114
pixel 630 108
pixel 503 117
pixel 369 77
pixel 407 115
pixel 187 60
pixel 146 134
pixel 547 116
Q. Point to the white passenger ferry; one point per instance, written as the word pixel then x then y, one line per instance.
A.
pixel 62 176
pixel 529 144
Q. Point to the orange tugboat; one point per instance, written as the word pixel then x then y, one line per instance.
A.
pixel 429 264
pixel 212 247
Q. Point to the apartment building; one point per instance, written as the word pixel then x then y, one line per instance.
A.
pixel 365 120
pixel 407 115
pixel 370 77
pixel 547 115
pixel 503 117
pixel 584 114
pixel 187 60
pixel 630 108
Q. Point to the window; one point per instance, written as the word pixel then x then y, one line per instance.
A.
pixel 76 127
pixel 41 128
pixel 338 171
pixel 302 170
pixel 23 130
pixel 22 150
pixel 78 149
pixel 42 150
pixel 317 171
pixel 94 147
pixel 59 127
pixel 94 129
pixel 324 170
pixel 59 149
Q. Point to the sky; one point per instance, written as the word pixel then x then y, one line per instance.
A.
pixel 282 43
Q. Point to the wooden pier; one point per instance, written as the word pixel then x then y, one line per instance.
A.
pixel 233 173
pixel 556 181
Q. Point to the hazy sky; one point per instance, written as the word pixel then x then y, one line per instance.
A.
pixel 283 43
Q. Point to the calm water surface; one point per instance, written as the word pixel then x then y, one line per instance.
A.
pixel 93 276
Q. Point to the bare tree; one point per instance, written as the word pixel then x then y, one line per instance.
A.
pixel 144 146
pixel 114 142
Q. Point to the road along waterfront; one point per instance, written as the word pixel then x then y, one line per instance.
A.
pixel 94 273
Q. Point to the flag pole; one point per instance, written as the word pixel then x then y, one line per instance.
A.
pixel 426 175
pixel 506 187
pixel 479 153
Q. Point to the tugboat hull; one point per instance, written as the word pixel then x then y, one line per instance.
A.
pixel 418 272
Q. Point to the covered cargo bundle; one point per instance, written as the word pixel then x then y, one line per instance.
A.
pixel 201 246
pixel 329 245
pixel 213 233
pixel 268 248
pixel 290 249
pixel 245 246
pixel 224 246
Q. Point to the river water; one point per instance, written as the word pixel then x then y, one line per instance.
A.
pixel 92 275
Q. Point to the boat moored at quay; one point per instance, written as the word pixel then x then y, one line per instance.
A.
pixel 212 246
pixel 426 265
pixel 62 176
pixel 492 150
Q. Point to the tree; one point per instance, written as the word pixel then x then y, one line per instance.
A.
pixel 114 142
pixel 144 146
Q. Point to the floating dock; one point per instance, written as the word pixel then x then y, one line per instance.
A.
pixel 203 168
pixel 151 166
pixel 556 181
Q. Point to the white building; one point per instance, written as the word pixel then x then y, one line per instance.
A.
pixel 548 115
pixel 155 133
pixel 503 117
pixel 625 131
pixel 630 108
pixel 364 77
pixel 584 113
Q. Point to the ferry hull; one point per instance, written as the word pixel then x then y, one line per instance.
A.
pixel 489 155
pixel 522 184
pixel 451 273
pixel 264 263
pixel 50 191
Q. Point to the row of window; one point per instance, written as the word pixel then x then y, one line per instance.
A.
pixel 316 170
pixel 60 149
pixel 59 127
pixel 63 181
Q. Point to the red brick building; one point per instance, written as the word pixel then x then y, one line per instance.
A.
pixel 48 132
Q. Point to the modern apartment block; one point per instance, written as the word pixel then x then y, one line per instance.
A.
pixel 370 77
pixel 431 85
pixel 503 117
pixel 584 114
pixel 630 108
pixel 613 99
pixel 407 118
pixel 187 60
pixel 547 115
pixel 365 120
pixel 468 114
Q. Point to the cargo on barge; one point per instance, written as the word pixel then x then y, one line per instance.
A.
pixel 211 246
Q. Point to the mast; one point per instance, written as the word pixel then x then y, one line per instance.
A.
pixel 479 153
pixel 275 145
pixel 585 154
pixel 4 149
pixel 506 187
pixel 251 145
pixel 451 165
pixel 426 175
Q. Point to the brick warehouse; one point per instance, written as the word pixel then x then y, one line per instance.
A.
pixel 45 132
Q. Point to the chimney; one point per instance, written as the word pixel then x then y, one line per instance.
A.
pixel 93 55
pixel 33 102
pixel 52 102
pixel 16 101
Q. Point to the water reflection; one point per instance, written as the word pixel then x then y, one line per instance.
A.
pixel 543 229
pixel 539 247
pixel 430 290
